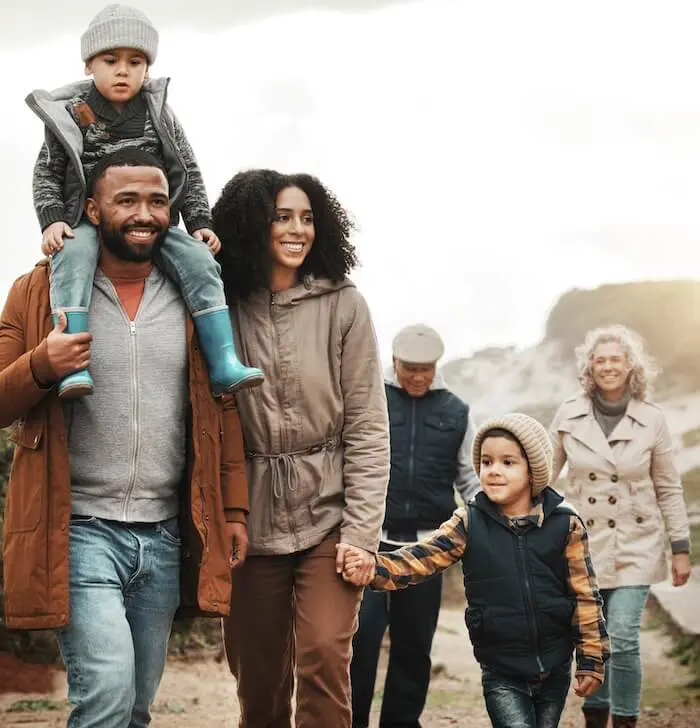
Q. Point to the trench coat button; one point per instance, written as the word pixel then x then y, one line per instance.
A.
pixel 592 476
pixel 611 523
pixel 590 522
pixel 612 500
pixel 591 499
pixel 614 478
pixel 639 519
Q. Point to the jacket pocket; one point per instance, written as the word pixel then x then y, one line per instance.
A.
pixel 474 618
pixel 442 424
pixel 558 615
pixel 644 506
pixel 25 495
pixel 397 421
pixel 28 434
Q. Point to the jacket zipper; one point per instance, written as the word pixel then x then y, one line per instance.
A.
pixel 134 388
pixel 283 445
pixel 532 616
pixel 133 385
pixel 411 456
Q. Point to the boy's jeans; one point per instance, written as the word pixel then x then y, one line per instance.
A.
pixel 622 689
pixel 186 261
pixel 124 590
pixel 519 703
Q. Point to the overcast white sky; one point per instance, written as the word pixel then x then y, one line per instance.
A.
pixel 494 154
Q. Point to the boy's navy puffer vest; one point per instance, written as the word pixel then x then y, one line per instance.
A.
pixel 426 434
pixel 520 608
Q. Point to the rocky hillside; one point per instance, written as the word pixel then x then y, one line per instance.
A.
pixel 666 314
pixel 538 379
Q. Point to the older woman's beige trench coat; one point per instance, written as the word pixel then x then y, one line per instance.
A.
pixel 626 488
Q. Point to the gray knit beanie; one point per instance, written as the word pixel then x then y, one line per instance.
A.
pixel 119 26
pixel 532 437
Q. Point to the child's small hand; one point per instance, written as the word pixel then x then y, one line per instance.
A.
pixel 52 237
pixel 357 575
pixel 210 238
pixel 355 564
pixel 586 685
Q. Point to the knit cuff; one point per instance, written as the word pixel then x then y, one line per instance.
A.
pixel 680 547
pixel 198 223
pixel 590 666
pixel 50 215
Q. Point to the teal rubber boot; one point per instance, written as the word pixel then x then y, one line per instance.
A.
pixel 226 372
pixel 78 384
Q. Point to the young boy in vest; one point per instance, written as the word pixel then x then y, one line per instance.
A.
pixel 531 590
pixel 121 107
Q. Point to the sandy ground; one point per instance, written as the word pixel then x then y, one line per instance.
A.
pixel 202 693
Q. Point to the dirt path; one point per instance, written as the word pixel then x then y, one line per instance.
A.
pixel 195 695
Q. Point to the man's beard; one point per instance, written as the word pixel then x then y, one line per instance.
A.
pixel 116 243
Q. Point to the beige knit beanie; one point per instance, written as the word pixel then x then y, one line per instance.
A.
pixel 532 437
pixel 119 26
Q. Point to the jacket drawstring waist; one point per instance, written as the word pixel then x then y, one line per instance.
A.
pixel 283 466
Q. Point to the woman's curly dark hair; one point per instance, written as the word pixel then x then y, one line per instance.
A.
pixel 242 218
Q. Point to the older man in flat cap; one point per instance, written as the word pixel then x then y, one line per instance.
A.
pixel 431 436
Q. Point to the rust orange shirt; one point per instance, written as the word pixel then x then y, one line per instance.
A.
pixel 129 283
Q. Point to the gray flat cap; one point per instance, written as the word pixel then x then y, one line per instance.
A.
pixel 418 344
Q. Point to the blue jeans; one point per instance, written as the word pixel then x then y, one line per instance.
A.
pixel 622 689
pixel 124 590
pixel 186 261
pixel 519 703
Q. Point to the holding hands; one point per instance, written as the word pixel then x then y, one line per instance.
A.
pixel 356 565
pixel 586 685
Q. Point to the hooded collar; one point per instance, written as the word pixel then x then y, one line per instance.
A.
pixel 542 506
pixel 309 287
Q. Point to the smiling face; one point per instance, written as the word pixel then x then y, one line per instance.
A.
pixel 118 74
pixel 505 476
pixel 131 209
pixel 610 369
pixel 292 236
pixel 415 379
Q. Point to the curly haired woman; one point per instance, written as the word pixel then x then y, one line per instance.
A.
pixel 623 480
pixel 317 445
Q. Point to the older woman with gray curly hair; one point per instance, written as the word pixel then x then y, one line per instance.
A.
pixel 623 480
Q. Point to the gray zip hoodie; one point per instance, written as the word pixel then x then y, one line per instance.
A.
pixel 127 440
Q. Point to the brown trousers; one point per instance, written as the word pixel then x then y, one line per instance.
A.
pixel 292 611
